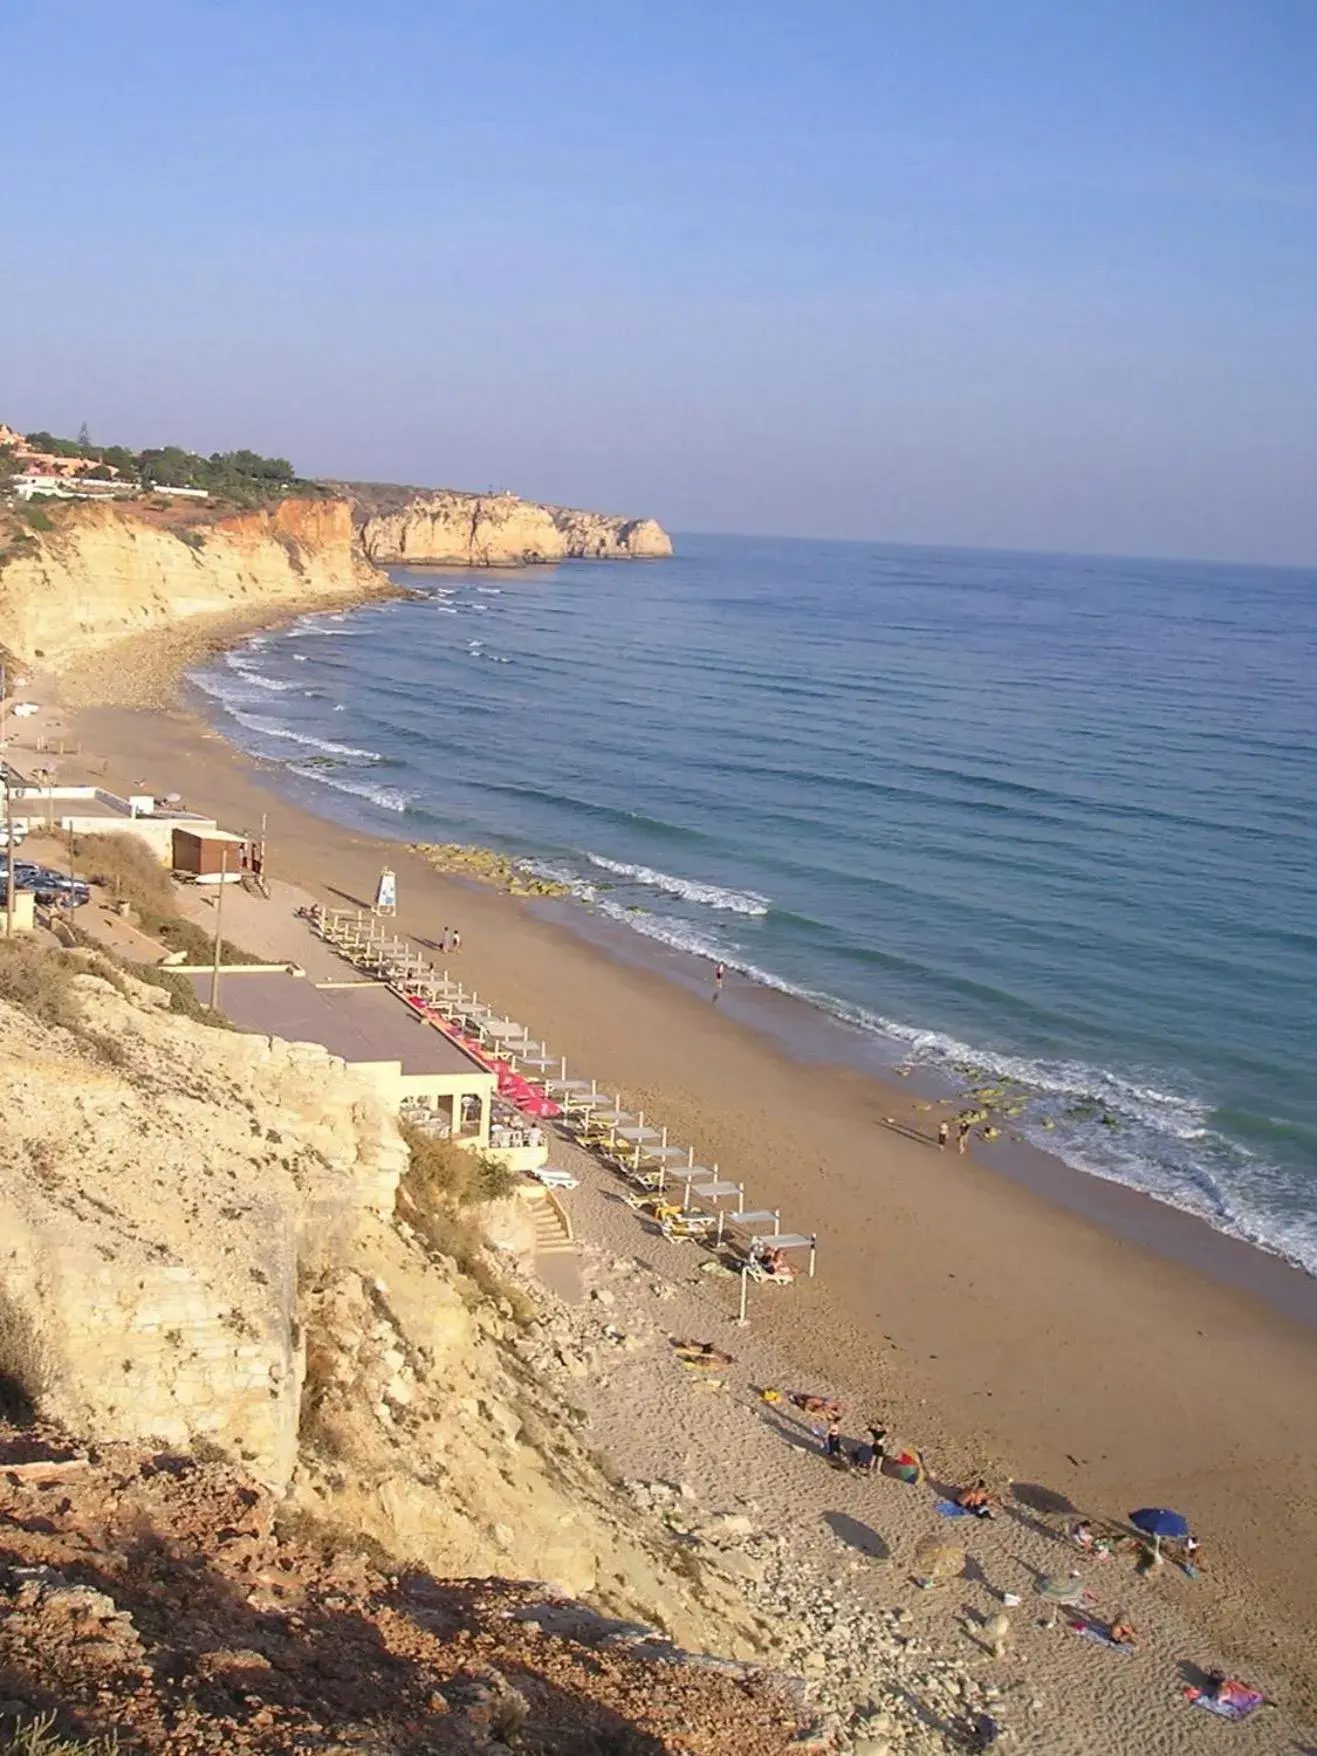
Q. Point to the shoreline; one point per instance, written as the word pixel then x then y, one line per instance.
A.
pixel 989 1321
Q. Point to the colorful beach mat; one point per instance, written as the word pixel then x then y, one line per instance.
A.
pixel 1231 1700
pixel 1087 1629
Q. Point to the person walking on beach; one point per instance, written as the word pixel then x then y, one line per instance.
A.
pixel 943 1134
pixel 719 972
pixel 962 1136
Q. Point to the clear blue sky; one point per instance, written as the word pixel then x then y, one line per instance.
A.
pixel 998 272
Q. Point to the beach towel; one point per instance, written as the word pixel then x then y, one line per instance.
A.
pixel 949 1509
pixel 1231 1701
pixel 1089 1630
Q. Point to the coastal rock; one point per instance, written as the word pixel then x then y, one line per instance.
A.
pixel 103 572
pixel 499 530
pixel 198 1250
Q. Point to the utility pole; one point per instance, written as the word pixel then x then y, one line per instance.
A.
pixel 219 912
pixel 9 858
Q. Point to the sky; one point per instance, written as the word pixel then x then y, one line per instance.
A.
pixel 997 273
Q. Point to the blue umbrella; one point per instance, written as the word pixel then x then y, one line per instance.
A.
pixel 1158 1522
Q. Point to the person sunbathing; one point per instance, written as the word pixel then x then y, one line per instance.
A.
pixel 1122 1631
pixel 1081 1534
pixel 815 1405
pixel 775 1265
pixel 977 1499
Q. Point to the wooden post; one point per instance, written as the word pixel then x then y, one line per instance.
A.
pixel 741 1317
pixel 219 913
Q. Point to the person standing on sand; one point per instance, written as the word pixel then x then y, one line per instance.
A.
pixel 719 972
pixel 943 1135
pixel 962 1136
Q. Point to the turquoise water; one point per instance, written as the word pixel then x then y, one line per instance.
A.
pixel 1052 816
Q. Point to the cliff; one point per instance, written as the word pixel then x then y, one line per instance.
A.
pixel 498 530
pixel 200 1250
pixel 98 572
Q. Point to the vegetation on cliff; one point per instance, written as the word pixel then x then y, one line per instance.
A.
pixel 242 478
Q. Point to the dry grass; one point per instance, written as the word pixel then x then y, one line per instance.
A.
pixel 441 1187
pixel 24 1367
pixel 126 867
pixel 37 1737
pixel 40 982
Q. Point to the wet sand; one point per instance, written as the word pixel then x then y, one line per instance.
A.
pixel 992 1323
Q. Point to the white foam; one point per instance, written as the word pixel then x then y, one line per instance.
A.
pixel 667 929
pixel 272 729
pixel 389 798
pixel 736 902
pixel 250 674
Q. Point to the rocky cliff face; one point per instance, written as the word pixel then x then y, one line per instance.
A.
pixel 199 1243
pixel 106 571
pixel 476 530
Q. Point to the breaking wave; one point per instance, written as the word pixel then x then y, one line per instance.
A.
pixel 736 902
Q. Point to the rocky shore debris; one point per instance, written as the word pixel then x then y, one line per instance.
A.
pixel 177 1604
pixel 487 867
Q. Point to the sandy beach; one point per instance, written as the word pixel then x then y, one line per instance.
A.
pixel 995 1328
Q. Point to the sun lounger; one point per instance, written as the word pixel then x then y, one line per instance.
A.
pixel 688 1225
pixel 553 1179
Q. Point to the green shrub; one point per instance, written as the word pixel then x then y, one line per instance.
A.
pixel 440 1170
pixel 183 997
pixel 35 517
pixel 442 1184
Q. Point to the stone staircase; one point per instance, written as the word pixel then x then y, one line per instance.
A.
pixel 553 1229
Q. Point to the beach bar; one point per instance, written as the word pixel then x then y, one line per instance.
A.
pixel 407 1061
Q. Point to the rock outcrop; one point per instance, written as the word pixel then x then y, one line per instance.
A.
pixel 102 572
pixel 498 530
pixel 199 1247
pixel 166 1604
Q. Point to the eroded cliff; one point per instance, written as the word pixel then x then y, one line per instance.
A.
pixel 498 530
pixel 82 576
pixel 199 1246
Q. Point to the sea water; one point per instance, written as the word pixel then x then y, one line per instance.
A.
pixel 1053 818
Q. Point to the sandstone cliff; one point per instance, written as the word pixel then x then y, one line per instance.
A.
pixel 498 530
pixel 105 571
pixel 198 1238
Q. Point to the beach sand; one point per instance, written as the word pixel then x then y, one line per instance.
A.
pixel 994 1328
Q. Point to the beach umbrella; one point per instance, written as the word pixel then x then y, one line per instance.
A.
pixel 1158 1522
pixel 904 1466
pixel 936 1560
pixel 1062 1588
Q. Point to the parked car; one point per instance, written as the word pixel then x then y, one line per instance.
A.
pixel 51 889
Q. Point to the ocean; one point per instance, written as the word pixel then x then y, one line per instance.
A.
pixel 1018 816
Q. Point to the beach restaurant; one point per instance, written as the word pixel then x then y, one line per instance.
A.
pixel 416 1068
